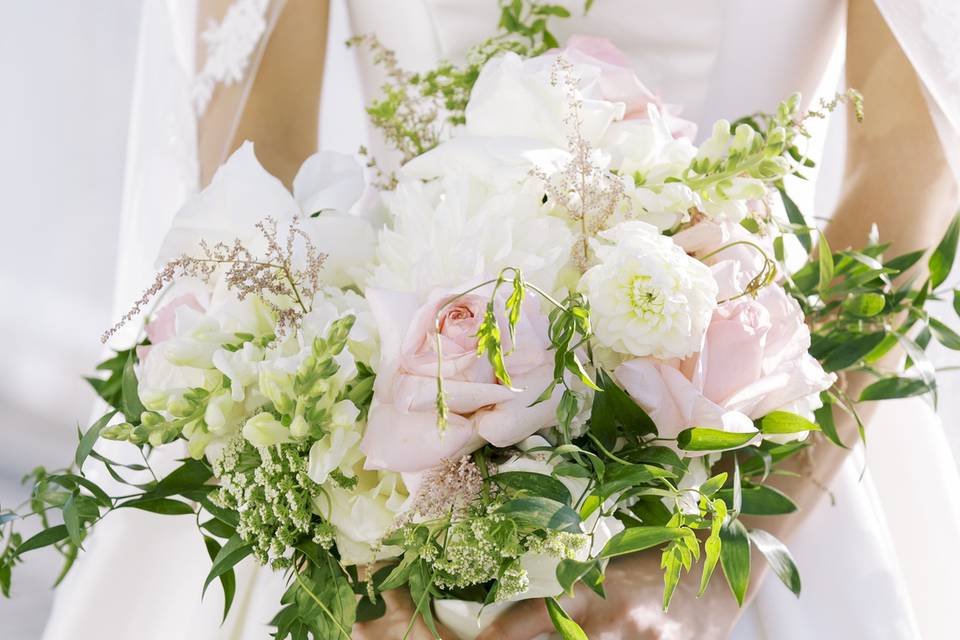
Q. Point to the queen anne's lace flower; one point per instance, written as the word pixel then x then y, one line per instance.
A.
pixel 648 297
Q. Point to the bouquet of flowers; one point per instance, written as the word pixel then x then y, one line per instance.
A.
pixel 559 334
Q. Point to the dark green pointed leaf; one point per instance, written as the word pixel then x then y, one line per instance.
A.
pixel 956 301
pixel 71 519
pixel 535 484
pixel 90 438
pixel 637 539
pixel 700 439
pixel 941 261
pixel 890 388
pixel 713 485
pixel 132 407
pixel 795 216
pixel 541 513
pixel 228 580
pixel 760 500
pixel 945 335
pixel 824 418
pixel 163 506
pixel 735 558
pixel 569 571
pixel 778 557
pixel 851 351
pixel 45 538
pixel 232 552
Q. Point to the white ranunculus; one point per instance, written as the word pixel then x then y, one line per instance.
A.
pixel 646 150
pixel 647 296
pixel 242 193
pixel 460 227
pixel 515 97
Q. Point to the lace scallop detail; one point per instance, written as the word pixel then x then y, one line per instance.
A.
pixel 229 44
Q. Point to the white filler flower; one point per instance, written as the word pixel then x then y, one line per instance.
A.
pixel 647 296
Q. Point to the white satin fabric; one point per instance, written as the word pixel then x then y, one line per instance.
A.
pixel 877 566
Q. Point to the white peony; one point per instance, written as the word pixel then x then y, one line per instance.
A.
pixel 647 296
pixel 459 227
pixel 515 97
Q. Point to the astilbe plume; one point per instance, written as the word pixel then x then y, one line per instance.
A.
pixel 274 277
pixel 589 194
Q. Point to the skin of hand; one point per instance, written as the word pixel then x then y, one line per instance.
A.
pixel 632 609
pixel 393 624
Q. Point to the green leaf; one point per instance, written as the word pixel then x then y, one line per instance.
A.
pixel 824 418
pixel 218 528
pixel 232 552
pixel 700 439
pixel 956 301
pixel 735 558
pixel 826 266
pixel 90 438
pixel 890 388
pixel 420 582
pixel 713 544
pixel 784 422
pixel 941 261
pixel 132 407
pixel 945 335
pixel 637 539
pixel 45 538
pixel 851 351
pixel 228 579
pixel 569 571
pixel 541 513
pixel 713 485
pixel 163 506
pixel 188 478
pixel 905 261
pixel 795 216
pixel 760 500
pixel 865 305
pixel 671 561
pixel 71 519
pixel 563 623
pixel 779 558
pixel 613 409
pixel 551 10
pixel 535 484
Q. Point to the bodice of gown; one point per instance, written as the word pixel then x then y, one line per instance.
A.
pixel 717 59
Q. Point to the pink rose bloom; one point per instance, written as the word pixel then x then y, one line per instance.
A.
pixel 163 325
pixel 754 360
pixel 619 83
pixel 402 433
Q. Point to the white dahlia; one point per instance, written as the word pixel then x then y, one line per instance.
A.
pixel 647 296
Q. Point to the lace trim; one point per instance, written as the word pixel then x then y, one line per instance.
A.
pixel 229 45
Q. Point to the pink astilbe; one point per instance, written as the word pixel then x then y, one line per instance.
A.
pixel 274 277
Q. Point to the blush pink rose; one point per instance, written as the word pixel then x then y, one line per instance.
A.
pixel 619 83
pixel 402 433
pixel 163 325
pixel 754 360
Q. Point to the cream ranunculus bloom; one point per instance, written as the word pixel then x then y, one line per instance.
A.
pixel 647 296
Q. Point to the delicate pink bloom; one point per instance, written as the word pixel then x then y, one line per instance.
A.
pixel 163 325
pixel 402 433
pixel 754 360
pixel 619 82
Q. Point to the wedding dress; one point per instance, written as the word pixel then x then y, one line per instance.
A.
pixel 877 566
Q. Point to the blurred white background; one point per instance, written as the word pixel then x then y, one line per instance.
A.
pixel 66 77
pixel 66 73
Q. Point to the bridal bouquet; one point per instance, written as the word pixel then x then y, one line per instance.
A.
pixel 561 333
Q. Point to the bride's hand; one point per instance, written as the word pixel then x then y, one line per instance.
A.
pixel 632 609
pixel 393 624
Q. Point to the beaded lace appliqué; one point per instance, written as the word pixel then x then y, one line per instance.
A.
pixel 229 45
